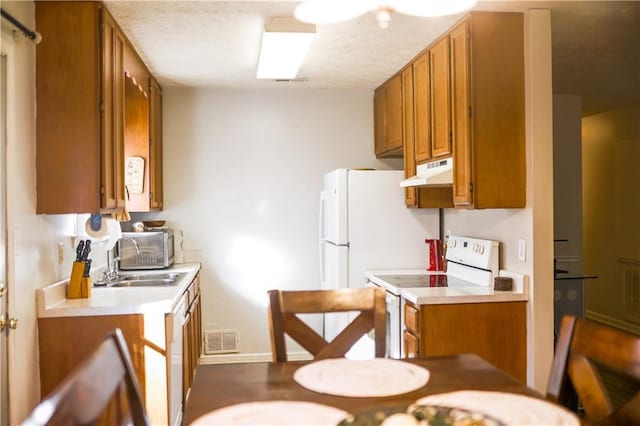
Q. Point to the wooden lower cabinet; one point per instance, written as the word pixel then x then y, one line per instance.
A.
pixel 192 337
pixel 65 342
pixel 495 331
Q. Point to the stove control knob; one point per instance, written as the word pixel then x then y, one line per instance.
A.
pixel 475 247
pixel 481 249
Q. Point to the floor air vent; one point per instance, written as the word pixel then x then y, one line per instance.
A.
pixel 221 342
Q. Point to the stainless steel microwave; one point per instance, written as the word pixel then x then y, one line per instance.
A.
pixel 146 250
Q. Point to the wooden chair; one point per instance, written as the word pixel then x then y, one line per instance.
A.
pixel 284 305
pixel 103 388
pixel 582 347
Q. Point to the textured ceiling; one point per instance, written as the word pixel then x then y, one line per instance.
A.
pixel 210 43
pixel 596 44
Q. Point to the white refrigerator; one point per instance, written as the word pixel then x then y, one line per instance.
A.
pixel 364 225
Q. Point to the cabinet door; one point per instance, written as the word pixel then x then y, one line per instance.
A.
pixel 379 120
pixel 408 134
pixel 394 114
pixel 186 358
pixel 136 131
pixel 411 344
pixel 422 105
pixel 155 142
pixel 112 140
pixel 460 92
pixel 195 338
pixel 440 99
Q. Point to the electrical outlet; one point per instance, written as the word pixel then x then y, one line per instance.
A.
pixel 522 250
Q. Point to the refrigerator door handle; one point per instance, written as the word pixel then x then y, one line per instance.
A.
pixel 321 221
pixel 322 263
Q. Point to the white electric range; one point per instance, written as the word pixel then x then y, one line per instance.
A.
pixel 471 266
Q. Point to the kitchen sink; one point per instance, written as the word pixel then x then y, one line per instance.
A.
pixel 164 276
pixel 146 280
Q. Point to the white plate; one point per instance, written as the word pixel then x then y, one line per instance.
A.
pixel 273 413
pixel 510 408
pixel 362 378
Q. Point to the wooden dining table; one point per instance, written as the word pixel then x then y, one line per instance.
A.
pixel 220 385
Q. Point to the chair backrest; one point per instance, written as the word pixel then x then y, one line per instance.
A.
pixel 103 388
pixel 284 305
pixel 583 346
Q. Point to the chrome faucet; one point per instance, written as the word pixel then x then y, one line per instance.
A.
pixel 112 266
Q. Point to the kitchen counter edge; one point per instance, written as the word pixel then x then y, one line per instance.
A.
pixel 51 300
pixel 444 295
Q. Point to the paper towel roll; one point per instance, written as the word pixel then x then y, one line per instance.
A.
pixel 114 231
pixel 109 228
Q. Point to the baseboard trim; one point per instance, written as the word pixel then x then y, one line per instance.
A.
pixel 246 358
pixel 614 322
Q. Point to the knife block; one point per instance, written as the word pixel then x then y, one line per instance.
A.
pixel 85 287
pixel 74 291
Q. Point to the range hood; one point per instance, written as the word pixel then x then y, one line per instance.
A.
pixel 434 173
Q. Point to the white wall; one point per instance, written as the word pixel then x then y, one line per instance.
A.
pixel 33 239
pixel 567 181
pixel 611 206
pixel 243 172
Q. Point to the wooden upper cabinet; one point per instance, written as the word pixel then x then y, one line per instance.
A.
pixel 394 114
pixel 379 102
pixel 463 182
pixel 143 136
pixel 79 121
pixel 155 141
pixel 440 98
pixel 136 148
pixel 408 133
pixel 422 105
pixel 113 190
pixel 388 118
pixel 488 113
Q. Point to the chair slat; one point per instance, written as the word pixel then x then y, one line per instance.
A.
pixel 584 346
pixel 284 305
pixel 303 334
pixel 343 300
pixel 347 337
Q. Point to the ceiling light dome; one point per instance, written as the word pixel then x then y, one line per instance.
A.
pixel 330 11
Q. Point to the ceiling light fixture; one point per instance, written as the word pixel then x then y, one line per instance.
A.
pixel 285 41
pixel 330 11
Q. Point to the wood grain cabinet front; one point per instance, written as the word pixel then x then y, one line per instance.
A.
pixel 79 121
pixel 143 136
pixel 387 103
pixel 156 199
pixel 488 113
pixel 408 133
pixel 192 337
pixel 89 118
pixel 495 331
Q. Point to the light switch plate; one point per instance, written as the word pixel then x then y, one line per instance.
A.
pixel 522 250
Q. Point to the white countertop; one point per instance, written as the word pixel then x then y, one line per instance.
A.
pixel 459 294
pixel 52 301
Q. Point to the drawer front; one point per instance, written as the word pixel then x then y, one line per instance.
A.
pixel 411 345
pixel 411 318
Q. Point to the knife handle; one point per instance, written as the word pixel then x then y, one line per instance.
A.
pixel 87 267
pixel 79 250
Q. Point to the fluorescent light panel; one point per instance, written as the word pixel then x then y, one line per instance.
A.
pixel 284 45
